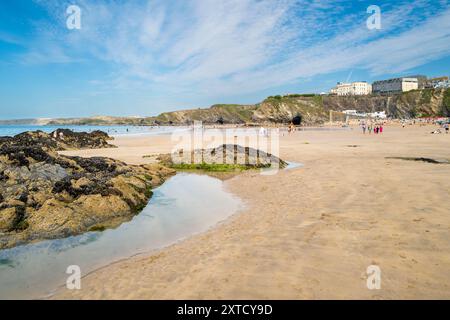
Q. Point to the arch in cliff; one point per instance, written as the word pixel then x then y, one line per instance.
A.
pixel 297 120
pixel 220 121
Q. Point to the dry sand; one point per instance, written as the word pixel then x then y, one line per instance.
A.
pixel 310 232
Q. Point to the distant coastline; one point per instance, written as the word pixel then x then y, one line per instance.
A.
pixel 37 121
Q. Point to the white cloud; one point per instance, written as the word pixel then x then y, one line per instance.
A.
pixel 241 46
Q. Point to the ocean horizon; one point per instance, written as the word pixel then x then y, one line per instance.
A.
pixel 112 130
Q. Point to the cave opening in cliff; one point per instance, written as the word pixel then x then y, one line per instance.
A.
pixel 297 120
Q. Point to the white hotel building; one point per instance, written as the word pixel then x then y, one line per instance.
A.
pixel 395 85
pixel 352 89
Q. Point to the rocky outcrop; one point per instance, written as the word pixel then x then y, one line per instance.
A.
pixel 60 139
pixel 284 109
pixel 228 154
pixel 217 114
pixel 44 195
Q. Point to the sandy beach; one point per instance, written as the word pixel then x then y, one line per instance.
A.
pixel 309 232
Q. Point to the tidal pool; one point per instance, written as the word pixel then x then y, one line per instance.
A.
pixel 184 205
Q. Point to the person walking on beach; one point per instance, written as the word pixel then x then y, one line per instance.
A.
pixel 446 128
pixel 261 131
pixel 364 127
pixel 291 128
pixel 381 128
pixel 369 128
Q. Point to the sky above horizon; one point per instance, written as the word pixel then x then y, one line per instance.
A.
pixel 147 57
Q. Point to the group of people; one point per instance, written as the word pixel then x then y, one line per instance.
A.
pixel 444 126
pixel 369 127
pixel 291 128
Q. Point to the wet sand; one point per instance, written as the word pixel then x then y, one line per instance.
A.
pixel 309 232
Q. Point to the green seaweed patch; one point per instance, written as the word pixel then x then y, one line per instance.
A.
pixel 148 192
pixel 97 228
pixel 214 167
pixel 21 225
pixel 138 208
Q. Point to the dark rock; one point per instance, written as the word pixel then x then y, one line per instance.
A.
pixel 69 139
pixel 44 195
pixel 21 155
pixel 95 164
pixel 58 140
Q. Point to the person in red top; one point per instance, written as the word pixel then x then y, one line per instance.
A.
pixel 381 129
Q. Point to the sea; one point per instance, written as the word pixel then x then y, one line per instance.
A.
pixel 12 130
pixel 120 130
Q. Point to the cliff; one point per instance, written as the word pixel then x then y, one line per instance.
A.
pixel 417 103
pixel 313 109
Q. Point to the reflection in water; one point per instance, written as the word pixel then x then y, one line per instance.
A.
pixel 7 262
pixel 293 165
pixel 272 171
pixel 186 204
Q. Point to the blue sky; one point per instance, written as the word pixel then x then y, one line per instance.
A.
pixel 146 57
